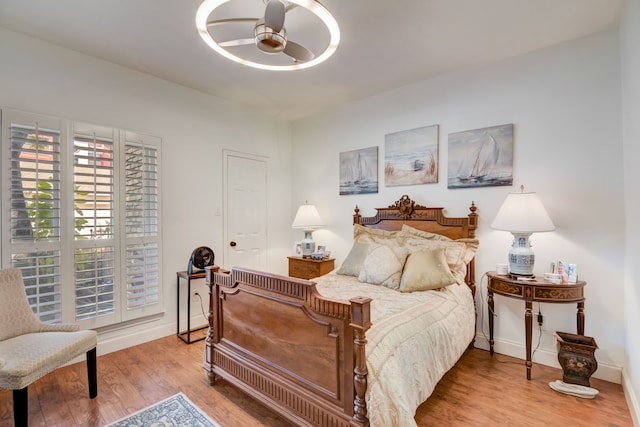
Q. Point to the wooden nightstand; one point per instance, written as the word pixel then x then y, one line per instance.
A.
pixel 533 290
pixel 307 268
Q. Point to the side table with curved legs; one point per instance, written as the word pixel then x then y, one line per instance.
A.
pixel 537 290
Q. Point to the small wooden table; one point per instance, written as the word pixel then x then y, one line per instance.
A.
pixel 308 268
pixel 536 290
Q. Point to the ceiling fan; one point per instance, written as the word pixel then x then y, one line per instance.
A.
pixel 269 34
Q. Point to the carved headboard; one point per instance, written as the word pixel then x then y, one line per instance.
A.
pixel 406 211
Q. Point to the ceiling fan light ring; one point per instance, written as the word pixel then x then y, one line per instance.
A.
pixel 208 6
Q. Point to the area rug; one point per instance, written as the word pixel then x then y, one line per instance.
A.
pixel 175 411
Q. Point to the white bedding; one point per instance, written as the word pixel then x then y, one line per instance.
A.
pixel 415 338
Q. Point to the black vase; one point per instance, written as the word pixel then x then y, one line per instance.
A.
pixel 576 355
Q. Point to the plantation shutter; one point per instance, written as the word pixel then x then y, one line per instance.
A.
pixel 80 208
pixel 31 220
pixel 141 206
pixel 94 223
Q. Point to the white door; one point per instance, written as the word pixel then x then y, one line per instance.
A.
pixel 245 204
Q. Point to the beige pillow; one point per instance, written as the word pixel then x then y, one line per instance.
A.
pixel 362 234
pixel 457 252
pixel 383 265
pixel 407 229
pixel 425 270
pixel 354 260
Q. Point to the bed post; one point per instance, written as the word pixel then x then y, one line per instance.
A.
pixel 360 322
pixel 473 220
pixel 212 332
pixel 471 267
pixel 356 215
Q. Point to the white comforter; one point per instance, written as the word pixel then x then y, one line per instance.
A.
pixel 415 338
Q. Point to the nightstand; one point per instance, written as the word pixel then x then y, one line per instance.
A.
pixel 307 268
pixel 529 291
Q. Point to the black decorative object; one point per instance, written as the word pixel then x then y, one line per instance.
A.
pixel 201 257
pixel 576 357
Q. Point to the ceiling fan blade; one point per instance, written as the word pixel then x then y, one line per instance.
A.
pixel 230 20
pixel 297 52
pixel 274 15
pixel 237 42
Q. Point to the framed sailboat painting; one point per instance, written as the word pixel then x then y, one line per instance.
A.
pixel 359 171
pixel 481 157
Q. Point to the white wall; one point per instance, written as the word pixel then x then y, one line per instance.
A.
pixel 630 35
pixel 195 128
pixel 565 103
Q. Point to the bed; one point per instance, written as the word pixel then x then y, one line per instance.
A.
pixel 351 348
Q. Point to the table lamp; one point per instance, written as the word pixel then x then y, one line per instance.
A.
pixel 307 219
pixel 522 214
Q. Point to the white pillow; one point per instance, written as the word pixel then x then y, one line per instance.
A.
pixel 352 264
pixel 383 265
pixel 364 234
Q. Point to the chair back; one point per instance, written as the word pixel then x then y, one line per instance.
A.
pixel 16 316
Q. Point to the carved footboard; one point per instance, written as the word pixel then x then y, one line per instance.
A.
pixel 278 340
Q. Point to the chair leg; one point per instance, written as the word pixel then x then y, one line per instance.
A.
pixel 92 372
pixel 20 407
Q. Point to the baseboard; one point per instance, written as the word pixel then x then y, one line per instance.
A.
pixel 632 399
pixel 548 358
pixel 118 340
pixel 125 337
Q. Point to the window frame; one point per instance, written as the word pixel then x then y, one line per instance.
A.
pixel 67 243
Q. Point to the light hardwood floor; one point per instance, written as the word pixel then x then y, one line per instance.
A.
pixel 479 391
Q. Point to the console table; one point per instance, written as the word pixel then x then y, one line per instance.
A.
pixel 538 290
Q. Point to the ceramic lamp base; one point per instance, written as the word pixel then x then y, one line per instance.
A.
pixel 308 245
pixel 521 256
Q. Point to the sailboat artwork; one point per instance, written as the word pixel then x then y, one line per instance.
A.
pixel 411 157
pixel 481 157
pixel 359 171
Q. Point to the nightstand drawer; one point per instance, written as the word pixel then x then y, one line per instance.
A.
pixel 307 268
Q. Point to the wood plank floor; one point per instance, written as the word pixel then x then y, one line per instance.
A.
pixel 479 391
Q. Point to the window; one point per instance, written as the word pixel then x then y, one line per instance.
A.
pixel 82 222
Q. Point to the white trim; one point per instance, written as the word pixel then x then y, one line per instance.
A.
pixel 631 397
pixel 129 336
pixel 545 357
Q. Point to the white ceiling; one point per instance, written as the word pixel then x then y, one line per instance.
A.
pixel 384 44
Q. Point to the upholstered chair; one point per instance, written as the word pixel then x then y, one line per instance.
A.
pixel 30 349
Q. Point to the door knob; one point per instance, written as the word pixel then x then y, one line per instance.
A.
pixel 232 244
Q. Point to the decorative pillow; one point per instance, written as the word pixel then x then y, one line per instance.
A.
pixel 457 252
pixel 407 229
pixel 425 270
pixel 354 260
pixel 362 234
pixel 383 265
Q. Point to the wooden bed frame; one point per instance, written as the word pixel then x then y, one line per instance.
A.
pixel 277 339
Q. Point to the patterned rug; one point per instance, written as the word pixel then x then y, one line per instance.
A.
pixel 175 411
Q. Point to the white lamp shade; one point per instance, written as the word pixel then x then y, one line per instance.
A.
pixel 307 218
pixel 522 213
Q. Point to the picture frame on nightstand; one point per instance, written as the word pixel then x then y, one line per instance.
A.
pixel 297 248
pixel 567 271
